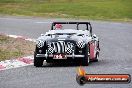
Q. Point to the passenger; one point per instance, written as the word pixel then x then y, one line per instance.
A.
pixel 58 26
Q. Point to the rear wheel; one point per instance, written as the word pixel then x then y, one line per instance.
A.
pixel 96 58
pixel 38 61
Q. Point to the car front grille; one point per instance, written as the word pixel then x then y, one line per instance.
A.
pixel 60 47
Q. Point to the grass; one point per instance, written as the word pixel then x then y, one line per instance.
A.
pixel 6 54
pixel 14 48
pixel 87 9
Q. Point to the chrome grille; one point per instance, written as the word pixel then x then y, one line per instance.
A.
pixel 61 47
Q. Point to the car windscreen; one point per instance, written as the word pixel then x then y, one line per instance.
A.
pixel 72 26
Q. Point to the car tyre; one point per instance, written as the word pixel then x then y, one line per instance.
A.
pixel 86 59
pixel 49 60
pixel 38 61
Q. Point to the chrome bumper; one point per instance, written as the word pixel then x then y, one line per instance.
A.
pixel 68 56
pixel 71 56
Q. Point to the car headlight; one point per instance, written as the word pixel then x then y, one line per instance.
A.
pixel 40 43
pixel 81 44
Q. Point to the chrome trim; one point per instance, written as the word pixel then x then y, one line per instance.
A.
pixel 73 55
pixel 46 55
pixel 88 54
pixel 41 55
pixel 62 39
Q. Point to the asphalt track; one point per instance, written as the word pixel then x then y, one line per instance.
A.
pixel 115 56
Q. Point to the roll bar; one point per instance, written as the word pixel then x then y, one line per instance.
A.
pixel 88 25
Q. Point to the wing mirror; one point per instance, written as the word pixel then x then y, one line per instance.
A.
pixel 42 34
pixel 94 36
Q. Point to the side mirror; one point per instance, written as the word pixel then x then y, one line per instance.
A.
pixel 42 34
pixel 94 36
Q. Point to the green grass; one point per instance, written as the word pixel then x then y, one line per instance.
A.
pixel 14 48
pixel 7 54
pixel 87 9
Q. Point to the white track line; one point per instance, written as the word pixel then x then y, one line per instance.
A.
pixel 42 22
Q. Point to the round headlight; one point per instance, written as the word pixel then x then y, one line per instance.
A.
pixel 81 44
pixel 40 43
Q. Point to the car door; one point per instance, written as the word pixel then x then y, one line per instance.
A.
pixel 93 47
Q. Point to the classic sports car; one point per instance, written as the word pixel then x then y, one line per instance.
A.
pixel 73 44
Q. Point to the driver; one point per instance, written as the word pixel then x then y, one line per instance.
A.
pixel 58 26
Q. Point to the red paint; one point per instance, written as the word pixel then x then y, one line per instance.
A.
pixel 26 60
pixel 92 47
pixel 59 56
pixel 1 67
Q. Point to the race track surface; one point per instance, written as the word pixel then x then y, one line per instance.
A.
pixel 115 56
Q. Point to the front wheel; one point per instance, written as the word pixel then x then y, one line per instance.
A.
pixel 86 59
pixel 49 60
pixel 38 61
